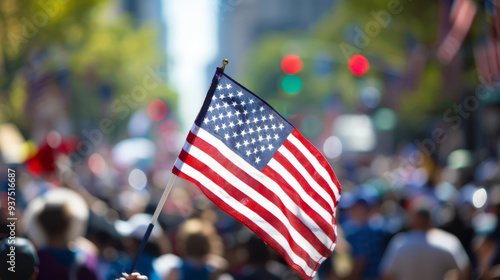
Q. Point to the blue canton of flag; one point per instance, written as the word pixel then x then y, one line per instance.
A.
pixel 245 123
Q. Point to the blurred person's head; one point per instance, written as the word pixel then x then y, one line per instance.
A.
pixel 56 218
pixel 194 239
pixel 258 251
pixel 19 255
pixel 360 211
pixel 419 210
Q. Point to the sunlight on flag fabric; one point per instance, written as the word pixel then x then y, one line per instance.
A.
pixel 252 163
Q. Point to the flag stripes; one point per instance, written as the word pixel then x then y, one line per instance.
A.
pixel 299 224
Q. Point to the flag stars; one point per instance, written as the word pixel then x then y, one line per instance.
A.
pixel 231 124
pixel 235 134
pixel 238 113
pixel 259 129
pixel 217 106
pixel 240 93
pixel 261 138
pixel 229 114
pixel 247 122
pixel 266 127
pixel 217 127
pixel 268 137
pixel 210 109
pixel 240 122
pixel 226 136
pixel 251 101
pixel 253 141
pixel 228 86
pixel 250 130
pixel 243 133
pixel 276 137
pixel 262 148
pixel 257 160
pixel 214 118
pixel 263 118
pixel 253 111
pixel 238 145
pixel 219 87
pixel 224 126
pixel 248 153
pixel 225 105
pixel 221 96
pixel 221 115
pixel 255 120
pixel 243 103
pixel 245 143
pixel 261 108
pixel 245 112
pixel 255 150
pixel 234 104
pixel 281 126
pixel 271 117
pixel 230 95
pixel 270 147
pixel 273 127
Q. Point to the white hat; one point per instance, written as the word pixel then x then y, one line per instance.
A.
pixel 73 203
pixel 136 227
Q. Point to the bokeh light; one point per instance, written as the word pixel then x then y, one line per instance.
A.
pixel 291 64
pixel 54 139
pixel 98 165
pixel 137 179
pixel 370 97
pixel 479 198
pixel 358 65
pixel 385 119
pixel 139 124
pixel 311 126
pixel 291 84
pixel 332 148
pixel 157 110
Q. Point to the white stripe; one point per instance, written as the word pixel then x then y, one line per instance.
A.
pixel 317 166
pixel 310 180
pixel 281 170
pixel 267 182
pixel 255 196
pixel 237 206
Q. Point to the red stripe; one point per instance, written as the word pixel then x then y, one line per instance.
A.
pixel 322 161
pixel 281 159
pixel 311 170
pixel 325 226
pixel 263 190
pixel 250 224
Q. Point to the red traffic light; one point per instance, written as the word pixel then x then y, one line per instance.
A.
pixel 291 64
pixel 358 65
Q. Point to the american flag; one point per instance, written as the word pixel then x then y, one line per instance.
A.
pixel 252 163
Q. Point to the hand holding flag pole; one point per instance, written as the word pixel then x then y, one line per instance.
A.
pixel 159 207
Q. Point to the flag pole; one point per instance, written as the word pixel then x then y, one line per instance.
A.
pixel 159 207
pixel 224 63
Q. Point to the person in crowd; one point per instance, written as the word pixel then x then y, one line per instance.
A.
pixel 367 242
pixel 424 252
pixel 197 241
pixel 132 231
pixel 258 257
pixel 25 264
pixel 56 222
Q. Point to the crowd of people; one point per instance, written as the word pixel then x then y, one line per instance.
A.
pixel 400 222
